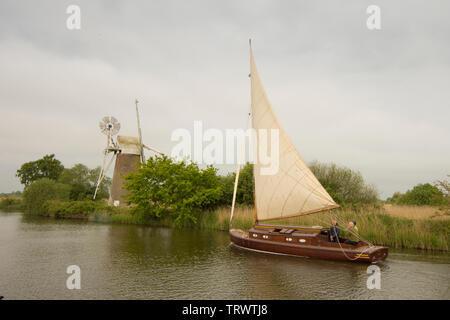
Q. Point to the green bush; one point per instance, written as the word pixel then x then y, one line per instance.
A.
pixel 11 204
pixel 74 209
pixel 163 187
pixel 39 191
pixel 345 186
pixel 246 187
pixel 420 195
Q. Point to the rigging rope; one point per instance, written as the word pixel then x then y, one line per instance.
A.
pixel 342 249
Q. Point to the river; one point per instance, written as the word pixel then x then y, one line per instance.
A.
pixel 138 262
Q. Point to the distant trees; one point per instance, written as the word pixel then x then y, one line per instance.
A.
pixel 13 194
pixel 47 179
pixel 82 181
pixel 347 187
pixel 47 167
pixel 420 195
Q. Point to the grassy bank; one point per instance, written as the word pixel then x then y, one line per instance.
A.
pixel 394 227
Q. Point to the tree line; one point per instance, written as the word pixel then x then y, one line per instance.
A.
pixel 163 187
pixel 47 179
pixel 424 194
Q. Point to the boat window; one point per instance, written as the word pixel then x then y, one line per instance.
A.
pixel 255 235
pixel 265 236
pixel 288 239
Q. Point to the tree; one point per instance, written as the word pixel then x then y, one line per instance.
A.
pixel 420 195
pixel 163 187
pixel 39 191
pixel 246 187
pixel 47 167
pixel 82 181
pixel 444 186
pixel 345 186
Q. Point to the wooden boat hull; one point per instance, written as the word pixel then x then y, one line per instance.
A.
pixel 328 251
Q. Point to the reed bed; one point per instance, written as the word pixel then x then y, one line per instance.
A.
pixel 417 212
pixel 375 225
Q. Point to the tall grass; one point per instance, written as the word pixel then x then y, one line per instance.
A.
pixel 375 225
pixel 417 212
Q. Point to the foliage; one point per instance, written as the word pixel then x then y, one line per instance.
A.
pixel 74 209
pixel 39 191
pixel 47 167
pixel 444 186
pixel 345 186
pixel 164 187
pixel 420 195
pixel 82 181
pixel 11 204
pixel 245 190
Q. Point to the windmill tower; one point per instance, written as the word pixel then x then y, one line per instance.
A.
pixel 128 153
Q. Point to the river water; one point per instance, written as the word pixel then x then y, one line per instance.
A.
pixel 137 262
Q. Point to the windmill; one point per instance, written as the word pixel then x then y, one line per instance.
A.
pixel 128 153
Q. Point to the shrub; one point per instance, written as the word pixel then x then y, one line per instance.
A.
pixel 420 195
pixel 164 187
pixel 39 191
pixel 246 187
pixel 11 204
pixel 345 186
pixel 74 209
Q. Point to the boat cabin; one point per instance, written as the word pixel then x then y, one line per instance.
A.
pixel 316 236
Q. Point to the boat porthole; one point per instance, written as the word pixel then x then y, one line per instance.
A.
pixel 265 237
pixel 288 239
pixel 255 235
pixel 302 240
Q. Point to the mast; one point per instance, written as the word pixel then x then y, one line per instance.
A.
pixel 236 181
pixel 141 147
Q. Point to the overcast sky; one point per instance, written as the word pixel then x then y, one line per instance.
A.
pixel 377 101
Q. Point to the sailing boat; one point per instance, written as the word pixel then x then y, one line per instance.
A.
pixel 290 192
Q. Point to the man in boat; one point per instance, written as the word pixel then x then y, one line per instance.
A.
pixel 352 234
pixel 334 232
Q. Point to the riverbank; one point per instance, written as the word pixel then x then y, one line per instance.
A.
pixel 375 225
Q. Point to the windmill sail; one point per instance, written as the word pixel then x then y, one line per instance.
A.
pixel 293 190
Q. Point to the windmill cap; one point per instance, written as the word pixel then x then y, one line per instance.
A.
pixel 129 145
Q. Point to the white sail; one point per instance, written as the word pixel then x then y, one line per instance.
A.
pixel 293 190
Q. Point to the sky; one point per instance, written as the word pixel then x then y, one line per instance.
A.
pixel 376 101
